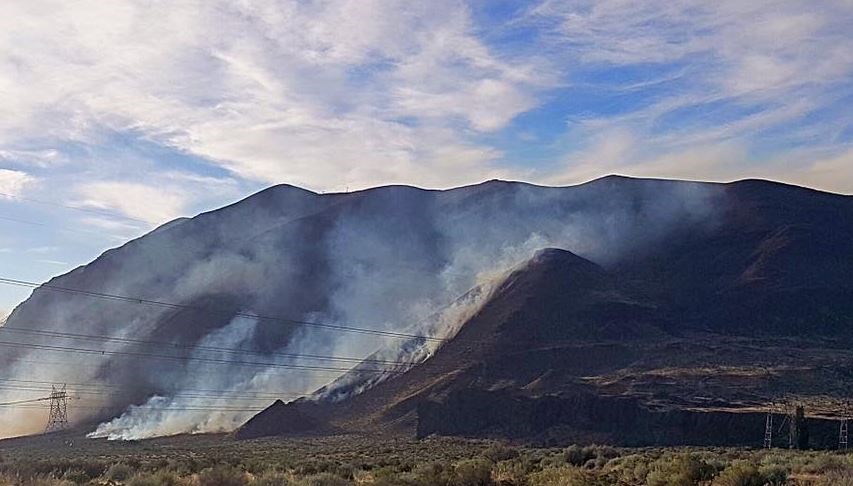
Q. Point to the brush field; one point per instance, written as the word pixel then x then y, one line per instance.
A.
pixel 220 460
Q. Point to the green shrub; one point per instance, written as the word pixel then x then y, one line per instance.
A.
pixel 324 479
pixel 560 476
pixel 512 472
pixel 740 473
pixel 159 478
pixel 222 476
pixel 40 480
pixel 76 476
pixel 837 478
pixel 824 463
pixel 434 473
pixel 678 470
pixel 500 452
pixel 631 469
pixel 774 475
pixel 577 455
pixel 272 478
pixel 472 472
pixel 119 472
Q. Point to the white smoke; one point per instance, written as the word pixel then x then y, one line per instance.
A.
pixel 392 259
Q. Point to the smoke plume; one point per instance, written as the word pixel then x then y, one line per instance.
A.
pixel 390 259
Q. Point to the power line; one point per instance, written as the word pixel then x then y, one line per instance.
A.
pixel 70 349
pixel 16 402
pixel 190 390
pixel 88 337
pixel 273 393
pixel 78 365
pixel 235 396
pixel 115 297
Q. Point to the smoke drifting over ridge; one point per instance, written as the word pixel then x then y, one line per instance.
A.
pixel 389 259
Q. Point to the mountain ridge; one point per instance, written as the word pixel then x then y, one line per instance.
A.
pixel 715 257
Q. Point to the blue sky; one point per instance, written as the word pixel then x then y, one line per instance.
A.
pixel 118 116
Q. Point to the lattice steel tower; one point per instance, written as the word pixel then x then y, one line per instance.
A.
pixel 58 418
pixel 768 430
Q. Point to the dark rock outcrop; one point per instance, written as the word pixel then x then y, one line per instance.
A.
pixel 279 419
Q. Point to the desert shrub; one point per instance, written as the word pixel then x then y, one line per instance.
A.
pixel 604 451
pixel 399 479
pixel 774 475
pixel 272 478
pixel 824 463
pixel 740 473
pixel 632 469
pixel 40 480
pixel 119 472
pixel 554 461
pixel 500 452
pixel 324 479
pixel 222 476
pixel 512 472
pixel 593 456
pixel 76 476
pixel 159 478
pixel 434 473
pixel 560 476
pixel 678 470
pixel 837 478
pixel 577 455
pixel 472 472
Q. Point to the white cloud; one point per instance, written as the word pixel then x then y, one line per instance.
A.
pixel 13 182
pixel 743 71
pixel 38 158
pixel 152 204
pixel 42 249
pixel 52 262
pixel 741 47
pixel 272 90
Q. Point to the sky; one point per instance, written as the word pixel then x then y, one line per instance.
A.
pixel 118 116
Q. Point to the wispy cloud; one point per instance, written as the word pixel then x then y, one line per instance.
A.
pixel 305 92
pixel 735 87
pixel 13 182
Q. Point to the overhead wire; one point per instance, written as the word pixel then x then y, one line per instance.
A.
pixel 89 351
pixel 219 349
pixel 152 302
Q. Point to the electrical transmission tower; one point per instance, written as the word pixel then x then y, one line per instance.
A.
pixel 768 430
pixel 58 418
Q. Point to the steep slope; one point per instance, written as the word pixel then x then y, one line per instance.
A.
pixel 537 362
pixel 554 302
pixel 745 259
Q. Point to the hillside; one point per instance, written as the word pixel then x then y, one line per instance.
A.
pixel 562 351
pixel 651 288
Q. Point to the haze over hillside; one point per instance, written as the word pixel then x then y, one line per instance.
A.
pixel 284 292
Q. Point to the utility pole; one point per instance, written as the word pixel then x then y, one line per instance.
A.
pixel 58 418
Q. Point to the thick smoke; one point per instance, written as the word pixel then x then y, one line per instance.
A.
pixel 389 259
